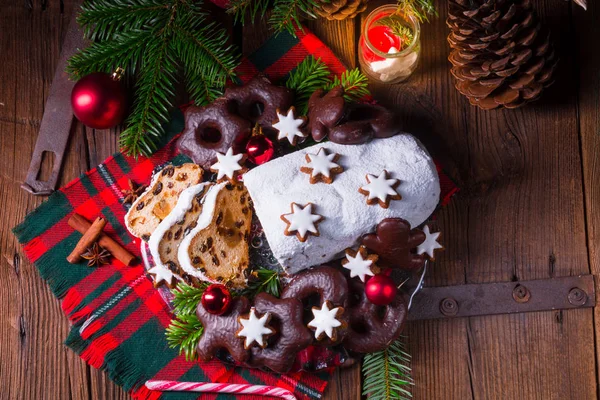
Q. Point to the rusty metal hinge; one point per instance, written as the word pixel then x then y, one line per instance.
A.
pixel 504 297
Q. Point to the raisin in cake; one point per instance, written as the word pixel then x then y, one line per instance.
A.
pixel 165 239
pixel 160 198
pixel 217 248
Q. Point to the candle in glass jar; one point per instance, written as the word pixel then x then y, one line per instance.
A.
pixel 389 45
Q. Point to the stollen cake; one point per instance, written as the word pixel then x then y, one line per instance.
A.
pixel 217 248
pixel 165 239
pixel 400 161
pixel 160 198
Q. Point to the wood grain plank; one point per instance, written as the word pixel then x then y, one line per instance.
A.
pixel 34 362
pixel 585 34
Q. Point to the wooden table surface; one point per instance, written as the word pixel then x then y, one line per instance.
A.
pixel 529 208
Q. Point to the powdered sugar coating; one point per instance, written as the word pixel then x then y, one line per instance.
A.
pixel 275 185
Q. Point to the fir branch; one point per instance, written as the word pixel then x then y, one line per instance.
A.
pixel 354 83
pixel 154 96
pixel 386 374
pixel 286 14
pixel 240 8
pixel 421 9
pixel 186 298
pixel 311 74
pixel 405 33
pixel 122 51
pixel 103 19
pixel 184 333
pixel 151 39
pixel 265 280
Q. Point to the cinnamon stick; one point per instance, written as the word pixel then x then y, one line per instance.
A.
pixel 80 224
pixel 88 238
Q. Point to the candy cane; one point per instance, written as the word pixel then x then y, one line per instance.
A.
pixel 174 386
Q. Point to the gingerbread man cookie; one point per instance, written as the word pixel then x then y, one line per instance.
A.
pixel 394 242
pixel 219 331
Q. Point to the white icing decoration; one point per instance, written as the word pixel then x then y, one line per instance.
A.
pixel 275 185
pixel 302 220
pixel 321 163
pixel 227 164
pixel 209 203
pixel 184 204
pixel 358 266
pixel 161 274
pixel 288 126
pixel 430 244
pixel 379 187
pixel 254 328
pixel 324 320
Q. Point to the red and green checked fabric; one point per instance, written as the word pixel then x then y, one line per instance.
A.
pixel 118 318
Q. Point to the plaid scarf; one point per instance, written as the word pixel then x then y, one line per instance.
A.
pixel 118 317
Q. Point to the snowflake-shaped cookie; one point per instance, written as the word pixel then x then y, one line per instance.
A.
pixel 360 263
pixel 302 222
pixel 162 274
pixel 228 166
pixel 326 321
pixel 321 166
pixel 289 126
pixel 254 329
pixel 380 189
pixel 430 244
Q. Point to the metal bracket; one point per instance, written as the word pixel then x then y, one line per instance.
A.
pixel 504 298
pixel 57 119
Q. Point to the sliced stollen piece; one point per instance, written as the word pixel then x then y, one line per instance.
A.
pixel 165 239
pixel 216 250
pixel 346 216
pixel 160 198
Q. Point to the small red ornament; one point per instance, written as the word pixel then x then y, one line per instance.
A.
pixel 260 149
pixel 381 290
pixel 216 299
pixel 99 100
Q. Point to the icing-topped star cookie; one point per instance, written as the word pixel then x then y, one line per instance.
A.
pixel 301 221
pixel 380 190
pixel 360 263
pixel 321 166
pixel 254 328
pixel 162 274
pixel 430 244
pixel 326 321
pixel 228 166
pixel 289 126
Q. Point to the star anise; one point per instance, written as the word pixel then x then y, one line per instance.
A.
pixel 133 192
pixel 96 255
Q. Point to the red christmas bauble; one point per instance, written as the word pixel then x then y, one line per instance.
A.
pixel 260 149
pixel 99 101
pixel 381 290
pixel 216 299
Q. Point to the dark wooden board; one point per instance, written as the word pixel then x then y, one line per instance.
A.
pixel 528 210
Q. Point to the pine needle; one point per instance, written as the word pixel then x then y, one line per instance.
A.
pixel 186 298
pixel 185 332
pixel 241 8
pixel 311 74
pixel 405 33
pixel 265 280
pixel 355 85
pixel 421 9
pixel 387 374
pixel 286 14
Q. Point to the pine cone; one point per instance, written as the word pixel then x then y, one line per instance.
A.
pixel 341 9
pixel 501 55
